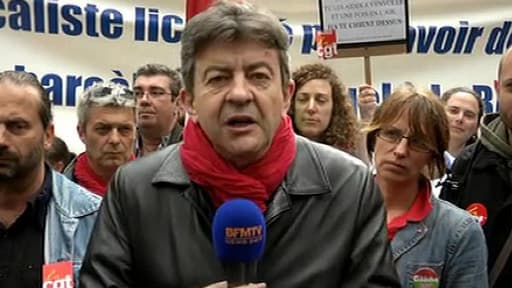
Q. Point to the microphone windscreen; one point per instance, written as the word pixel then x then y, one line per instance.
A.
pixel 239 232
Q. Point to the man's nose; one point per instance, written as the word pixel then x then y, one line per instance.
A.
pixel 3 136
pixel 144 99
pixel 459 116
pixel 115 137
pixel 240 92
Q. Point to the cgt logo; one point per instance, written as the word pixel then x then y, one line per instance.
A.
pixel 243 235
pixel 66 282
pixel 326 44
pixel 58 275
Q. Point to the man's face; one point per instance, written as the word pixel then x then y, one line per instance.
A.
pixel 22 136
pixel 155 108
pixel 313 108
pixel 238 98
pixel 504 88
pixel 108 135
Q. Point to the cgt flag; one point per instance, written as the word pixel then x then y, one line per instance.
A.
pixel 197 6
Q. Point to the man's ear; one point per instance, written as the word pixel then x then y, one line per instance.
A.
pixel 497 87
pixel 187 100
pixel 49 133
pixel 288 93
pixel 80 129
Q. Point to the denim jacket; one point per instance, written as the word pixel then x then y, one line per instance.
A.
pixel 70 217
pixel 448 245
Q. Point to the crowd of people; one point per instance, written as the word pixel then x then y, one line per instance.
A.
pixel 413 192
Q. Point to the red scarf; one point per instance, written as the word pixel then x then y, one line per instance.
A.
pixel 87 178
pixel 223 181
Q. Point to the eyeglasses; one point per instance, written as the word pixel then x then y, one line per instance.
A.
pixel 393 135
pixel 153 93
pixel 104 93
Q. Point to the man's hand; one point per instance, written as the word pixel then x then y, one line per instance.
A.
pixel 367 101
pixel 225 285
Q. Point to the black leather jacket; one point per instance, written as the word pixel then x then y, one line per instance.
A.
pixel 326 227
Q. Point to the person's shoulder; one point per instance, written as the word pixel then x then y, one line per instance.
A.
pixel 329 156
pixel 160 166
pixel 453 216
pixel 467 152
pixel 150 163
pixel 338 170
pixel 460 226
pixel 73 198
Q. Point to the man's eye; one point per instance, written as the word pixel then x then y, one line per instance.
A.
pixel 125 130
pixel 102 130
pixel 259 76
pixel 16 127
pixel 470 115
pixel 138 94
pixel 453 110
pixel 217 79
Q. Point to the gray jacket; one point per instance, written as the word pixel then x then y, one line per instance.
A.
pixel 326 227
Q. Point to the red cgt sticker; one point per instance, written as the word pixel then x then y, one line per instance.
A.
pixel 58 275
pixel 479 211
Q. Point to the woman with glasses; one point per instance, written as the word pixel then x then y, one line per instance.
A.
pixel 434 244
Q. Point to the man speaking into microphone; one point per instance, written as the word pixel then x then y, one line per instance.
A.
pixel 324 219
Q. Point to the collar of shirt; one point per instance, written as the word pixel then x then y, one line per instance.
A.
pixel 448 159
pixel 137 148
pixel 418 211
pixel 39 203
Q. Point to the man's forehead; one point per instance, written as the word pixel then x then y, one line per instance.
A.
pixel 110 111
pixel 151 80
pixel 19 94
pixel 506 66
pixel 241 54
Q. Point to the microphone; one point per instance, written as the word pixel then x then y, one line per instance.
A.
pixel 239 239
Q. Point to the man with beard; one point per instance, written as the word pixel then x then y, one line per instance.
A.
pixel 106 125
pixel 156 89
pixel 481 180
pixel 44 217
pixel 325 220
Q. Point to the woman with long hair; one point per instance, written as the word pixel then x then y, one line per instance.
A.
pixel 321 109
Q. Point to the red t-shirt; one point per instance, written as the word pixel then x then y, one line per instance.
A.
pixel 418 211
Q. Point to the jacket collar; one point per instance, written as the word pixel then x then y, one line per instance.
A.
pixel 72 200
pixel 408 237
pixel 295 183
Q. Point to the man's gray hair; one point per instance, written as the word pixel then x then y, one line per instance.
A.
pixel 104 94
pixel 230 21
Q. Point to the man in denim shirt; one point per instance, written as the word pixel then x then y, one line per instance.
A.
pixel 44 218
